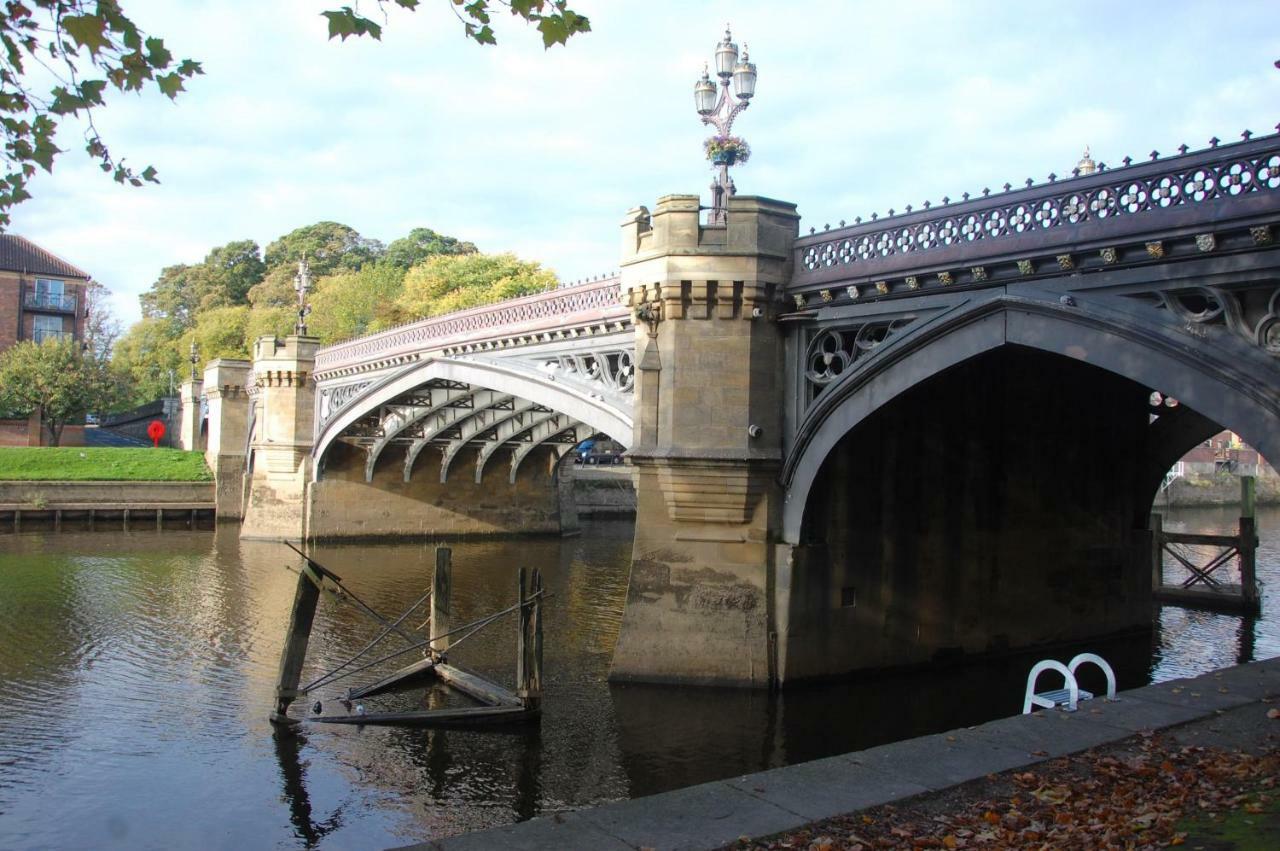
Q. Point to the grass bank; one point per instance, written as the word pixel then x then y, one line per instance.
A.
pixel 101 464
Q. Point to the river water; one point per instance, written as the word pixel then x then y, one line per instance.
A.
pixel 137 671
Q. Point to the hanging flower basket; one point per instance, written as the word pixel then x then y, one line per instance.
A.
pixel 727 150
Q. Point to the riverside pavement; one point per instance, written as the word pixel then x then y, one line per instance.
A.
pixel 1223 708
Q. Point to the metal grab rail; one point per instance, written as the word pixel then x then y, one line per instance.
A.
pixel 1070 695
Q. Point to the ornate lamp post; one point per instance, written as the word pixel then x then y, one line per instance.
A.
pixel 195 359
pixel 719 110
pixel 302 285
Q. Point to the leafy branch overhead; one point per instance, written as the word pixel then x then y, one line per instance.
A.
pixel 553 19
pixel 84 48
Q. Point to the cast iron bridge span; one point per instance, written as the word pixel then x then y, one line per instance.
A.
pixel 547 370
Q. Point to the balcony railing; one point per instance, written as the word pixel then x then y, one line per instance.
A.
pixel 40 335
pixel 57 302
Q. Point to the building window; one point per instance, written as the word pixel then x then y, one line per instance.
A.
pixel 50 288
pixel 47 328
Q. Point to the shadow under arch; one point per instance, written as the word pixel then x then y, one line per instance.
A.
pixel 521 382
pixel 1216 374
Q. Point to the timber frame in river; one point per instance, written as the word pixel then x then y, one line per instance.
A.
pixel 497 705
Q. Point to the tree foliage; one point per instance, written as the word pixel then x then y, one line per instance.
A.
pixel 232 297
pixel 147 361
pixel 328 247
pixel 446 283
pixel 555 22
pixel 91 47
pixel 354 303
pixel 421 243
pixel 58 378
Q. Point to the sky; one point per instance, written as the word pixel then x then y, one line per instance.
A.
pixel 860 107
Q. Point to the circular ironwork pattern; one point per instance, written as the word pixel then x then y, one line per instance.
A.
pixel 827 358
pixel 1161 191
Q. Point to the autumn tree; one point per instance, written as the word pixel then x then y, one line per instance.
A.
pixel 354 303
pixel 57 378
pixel 446 283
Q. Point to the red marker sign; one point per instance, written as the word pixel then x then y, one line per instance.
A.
pixel 155 431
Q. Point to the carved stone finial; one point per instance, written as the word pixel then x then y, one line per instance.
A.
pixel 1086 164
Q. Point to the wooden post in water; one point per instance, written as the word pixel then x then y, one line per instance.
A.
pixel 522 636
pixel 534 699
pixel 1248 545
pixel 295 643
pixel 441 590
pixel 1157 551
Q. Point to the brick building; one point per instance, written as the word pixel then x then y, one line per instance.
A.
pixel 42 296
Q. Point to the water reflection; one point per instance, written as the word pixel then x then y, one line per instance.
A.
pixel 289 746
pixel 138 672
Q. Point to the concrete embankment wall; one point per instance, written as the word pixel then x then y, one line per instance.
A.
pixel 604 491
pixel 106 493
pixel 1216 490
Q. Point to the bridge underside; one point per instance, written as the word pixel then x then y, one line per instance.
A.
pixel 1001 504
pixel 447 458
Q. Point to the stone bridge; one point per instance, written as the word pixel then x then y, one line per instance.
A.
pixel 912 438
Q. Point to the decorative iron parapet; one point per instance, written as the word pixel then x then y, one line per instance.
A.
pixel 594 300
pixel 1103 204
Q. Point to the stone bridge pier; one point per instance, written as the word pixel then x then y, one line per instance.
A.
pixel 709 398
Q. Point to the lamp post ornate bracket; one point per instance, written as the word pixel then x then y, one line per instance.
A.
pixel 719 106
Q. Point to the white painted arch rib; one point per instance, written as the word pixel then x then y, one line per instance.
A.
pixel 528 384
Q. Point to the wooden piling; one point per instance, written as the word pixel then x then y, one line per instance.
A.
pixel 534 689
pixel 441 591
pixel 522 642
pixel 1248 545
pixel 124 517
pixel 295 645
pixel 1248 548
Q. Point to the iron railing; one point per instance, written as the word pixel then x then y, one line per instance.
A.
pixel 36 300
pixel 599 300
pixel 1107 203
pixel 40 335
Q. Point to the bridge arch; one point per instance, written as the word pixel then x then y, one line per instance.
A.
pixel 1222 378
pixel 501 383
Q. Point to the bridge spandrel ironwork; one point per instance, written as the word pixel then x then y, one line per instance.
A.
pixel 550 368
pixel 1060 226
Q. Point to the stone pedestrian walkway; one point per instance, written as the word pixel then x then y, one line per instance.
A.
pixel 1223 708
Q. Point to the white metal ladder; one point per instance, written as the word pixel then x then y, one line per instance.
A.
pixel 1070 694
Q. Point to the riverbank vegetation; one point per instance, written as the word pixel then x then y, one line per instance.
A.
pixel 101 464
